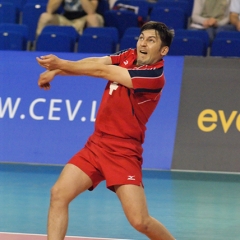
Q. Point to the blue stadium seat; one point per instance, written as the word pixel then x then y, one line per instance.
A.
pixel 95 44
pixel 185 5
pixel 111 32
pixel 11 41
pixel 30 15
pixel 203 35
pixel 19 6
pixel 128 41
pixel 68 30
pixel 143 8
pixel 130 38
pixel 37 1
pixel 228 35
pixel 190 46
pixel 115 5
pixel 16 28
pixel 50 42
pixel 103 6
pixel 121 20
pixel 132 31
pixel 8 12
pixel 18 3
pixel 225 47
pixel 173 17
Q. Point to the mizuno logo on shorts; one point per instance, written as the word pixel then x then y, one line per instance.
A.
pixel 131 178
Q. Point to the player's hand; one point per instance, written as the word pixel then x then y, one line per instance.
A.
pixel 50 62
pixel 45 78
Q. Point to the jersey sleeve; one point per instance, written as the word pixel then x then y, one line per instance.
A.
pixel 148 80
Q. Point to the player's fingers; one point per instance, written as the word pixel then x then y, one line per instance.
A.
pixel 45 57
pixel 45 86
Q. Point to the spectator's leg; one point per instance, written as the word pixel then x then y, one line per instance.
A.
pixel 79 24
pixel 211 34
pixel 95 20
pixel 46 19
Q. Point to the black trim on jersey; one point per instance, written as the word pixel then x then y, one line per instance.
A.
pixel 146 72
pixel 129 93
pixel 140 90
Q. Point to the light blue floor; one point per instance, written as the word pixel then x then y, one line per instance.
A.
pixel 193 206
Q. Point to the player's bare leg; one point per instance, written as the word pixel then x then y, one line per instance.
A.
pixel 72 181
pixel 134 204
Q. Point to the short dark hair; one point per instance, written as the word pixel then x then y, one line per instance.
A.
pixel 166 34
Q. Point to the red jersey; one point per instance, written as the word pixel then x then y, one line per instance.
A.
pixel 124 112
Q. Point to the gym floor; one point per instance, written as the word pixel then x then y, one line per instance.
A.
pixel 192 205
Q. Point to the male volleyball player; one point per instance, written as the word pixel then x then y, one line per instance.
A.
pixel 114 151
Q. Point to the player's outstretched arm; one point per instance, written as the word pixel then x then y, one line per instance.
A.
pixel 52 62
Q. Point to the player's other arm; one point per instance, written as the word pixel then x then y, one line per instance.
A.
pixel 95 67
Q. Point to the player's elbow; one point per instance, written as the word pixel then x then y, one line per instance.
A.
pixel 101 72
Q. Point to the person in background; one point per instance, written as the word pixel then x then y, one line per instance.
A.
pixel 235 15
pixel 135 79
pixel 210 15
pixel 76 13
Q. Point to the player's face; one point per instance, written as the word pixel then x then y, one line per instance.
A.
pixel 149 50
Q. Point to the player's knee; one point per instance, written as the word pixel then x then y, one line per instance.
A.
pixel 57 195
pixel 140 224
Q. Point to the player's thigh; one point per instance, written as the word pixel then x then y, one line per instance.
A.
pixel 133 200
pixel 71 182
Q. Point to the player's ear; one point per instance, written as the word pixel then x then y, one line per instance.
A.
pixel 164 50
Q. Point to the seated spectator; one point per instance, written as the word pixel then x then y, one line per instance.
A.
pixel 210 15
pixel 235 15
pixel 76 13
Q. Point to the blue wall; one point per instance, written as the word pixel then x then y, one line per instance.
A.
pixel 48 127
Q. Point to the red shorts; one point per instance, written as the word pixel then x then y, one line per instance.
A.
pixel 116 160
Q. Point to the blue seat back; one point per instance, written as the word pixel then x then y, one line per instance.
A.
pixel 16 28
pixel 128 41
pixel 190 46
pixel 96 44
pixel 121 20
pixel 68 30
pixel 228 35
pixel 132 31
pixel 30 16
pixel 8 13
pixel 222 47
pixel 111 32
pixel 11 41
pixel 185 5
pixel 173 17
pixel 58 42
pixel 201 34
